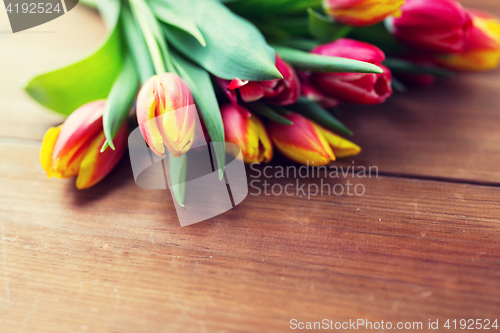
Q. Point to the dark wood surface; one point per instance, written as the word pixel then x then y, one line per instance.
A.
pixel 422 243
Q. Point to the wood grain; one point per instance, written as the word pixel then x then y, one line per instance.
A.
pixel 114 259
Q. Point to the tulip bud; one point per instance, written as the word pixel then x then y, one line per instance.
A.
pixel 353 87
pixel 248 133
pixel 73 148
pixel 284 91
pixel 361 13
pixel 438 26
pixel 165 114
pixel 482 45
pixel 308 143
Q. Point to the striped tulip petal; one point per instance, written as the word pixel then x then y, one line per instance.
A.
pixel 360 13
pixel 248 133
pixel 165 114
pixel 302 142
pixel 75 147
pixel 96 165
pixel 341 147
pixel 482 46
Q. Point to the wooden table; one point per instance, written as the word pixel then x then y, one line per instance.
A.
pixel 421 244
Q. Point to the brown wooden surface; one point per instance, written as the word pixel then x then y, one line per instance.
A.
pixel 114 258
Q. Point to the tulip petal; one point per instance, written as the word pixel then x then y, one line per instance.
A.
pixel 146 117
pixel 340 146
pixel 96 165
pixel 302 142
pixel 48 144
pixel 80 127
pixel 251 92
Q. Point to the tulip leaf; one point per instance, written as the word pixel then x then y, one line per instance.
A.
pixel 119 101
pixel 136 45
pixel 318 63
pixel 234 47
pixel 267 112
pixel 262 7
pixel 316 113
pixel 173 17
pixel 66 89
pixel 203 92
pixel 297 43
pixel 177 168
pixel 408 67
pixel 324 28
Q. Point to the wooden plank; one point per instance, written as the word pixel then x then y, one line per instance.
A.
pixel 447 131
pixel 114 259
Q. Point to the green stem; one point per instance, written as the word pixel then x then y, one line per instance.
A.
pixel 154 49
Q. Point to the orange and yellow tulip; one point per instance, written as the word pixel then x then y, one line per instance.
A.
pixel 361 13
pixel 482 46
pixel 307 143
pixel 248 133
pixel 73 148
pixel 166 114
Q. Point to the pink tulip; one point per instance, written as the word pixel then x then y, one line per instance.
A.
pixel 438 26
pixel 284 91
pixel 353 87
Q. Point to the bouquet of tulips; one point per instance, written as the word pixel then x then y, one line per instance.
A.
pixel 264 74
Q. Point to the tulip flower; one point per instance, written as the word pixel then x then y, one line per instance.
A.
pixel 284 91
pixel 361 13
pixel 314 95
pixel 308 143
pixel 165 114
pixel 73 148
pixel 248 133
pixel 437 26
pixel 353 87
pixel 482 46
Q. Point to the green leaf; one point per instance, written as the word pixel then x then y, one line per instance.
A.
pixel 119 101
pixel 297 43
pixel 408 67
pixel 263 7
pixel 152 33
pixel 136 46
pixel 176 18
pixel 318 63
pixel 203 92
pixel 235 48
pixel 68 88
pixel 267 112
pixel 324 28
pixel 317 114
pixel 177 167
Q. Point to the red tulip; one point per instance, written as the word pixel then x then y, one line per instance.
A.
pixel 248 133
pixel 353 87
pixel 438 26
pixel 482 46
pixel 73 148
pixel 284 91
pixel 360 13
